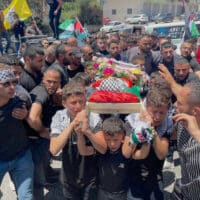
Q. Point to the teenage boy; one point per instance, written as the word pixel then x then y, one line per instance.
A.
pixel 112 166
pixel 78 172
pixel 146 167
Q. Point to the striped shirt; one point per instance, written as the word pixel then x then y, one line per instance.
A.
pixel 189 151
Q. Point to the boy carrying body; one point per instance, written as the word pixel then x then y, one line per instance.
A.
pixel 148 158
pixel 113 165
pixel 78 172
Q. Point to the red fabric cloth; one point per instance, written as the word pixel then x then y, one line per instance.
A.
pixel 97 83
pixel 198 54
pixel 128 81
pixel 113 97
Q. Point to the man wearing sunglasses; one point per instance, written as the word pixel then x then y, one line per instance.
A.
pixel 15 156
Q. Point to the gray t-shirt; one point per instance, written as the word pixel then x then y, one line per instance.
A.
pixel 61 120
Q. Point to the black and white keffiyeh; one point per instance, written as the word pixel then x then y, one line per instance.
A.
pixel 6 74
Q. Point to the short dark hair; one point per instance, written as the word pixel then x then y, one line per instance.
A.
pixel 10 60
pixel 146 35
pixel 83 77
pixel 60 49
pixel 194 93
pixel 113 125
pixel 71 89
pixel 167 45
pixel 158 98
pixel 113 41
pixel 180 60
pixel 32 51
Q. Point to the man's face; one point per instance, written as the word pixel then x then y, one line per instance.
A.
pixel 181 71
pixel 67 59
pixel 157 114
pixel 37 63
pixel 154 41
pixel 101 44
pixel 114 49
pixel 182 104
pixel 7 88
pixel 88 54
pixel 74 104
pixel 186 49
pixel 167 53
pixel 76 60
pixel 51 58
pixel 114 142
pixel 51 81
pixel 145 44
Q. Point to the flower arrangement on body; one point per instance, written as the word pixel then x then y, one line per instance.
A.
pixel 109 67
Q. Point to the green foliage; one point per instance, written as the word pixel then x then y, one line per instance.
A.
pixel 88 11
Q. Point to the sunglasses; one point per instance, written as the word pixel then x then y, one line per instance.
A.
pixel 9 83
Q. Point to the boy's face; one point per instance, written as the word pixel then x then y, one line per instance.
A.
pixel 157 114
pixel 74 104
pixel 114 142
pixel 101 44
pixel 17 70
pixel 114 49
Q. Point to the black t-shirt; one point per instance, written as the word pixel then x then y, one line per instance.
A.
pixel 13 134
pixel 28 81
pixel 78 170
pixel 148 171
pixel 49 108
pixel 113 171
pixel 72 73
pixel 19 29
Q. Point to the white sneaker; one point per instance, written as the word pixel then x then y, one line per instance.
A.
pixel 12 186
pixel 168 165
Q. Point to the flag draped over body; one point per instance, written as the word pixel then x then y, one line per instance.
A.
pixel 20 7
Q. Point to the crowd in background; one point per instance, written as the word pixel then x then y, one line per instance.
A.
pixel 43 94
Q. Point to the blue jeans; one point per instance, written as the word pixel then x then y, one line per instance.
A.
pixel 21 171
pixel 41 156
pixel 54 21
pixel 7 37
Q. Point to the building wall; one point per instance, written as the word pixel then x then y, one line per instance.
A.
pixel 121 8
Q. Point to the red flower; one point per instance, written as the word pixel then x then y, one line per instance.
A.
pixel 108 71
pixel 96 65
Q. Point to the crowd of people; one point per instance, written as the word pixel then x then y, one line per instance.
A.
pixel 43 97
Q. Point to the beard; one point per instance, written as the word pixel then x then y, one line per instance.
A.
pixel 66 61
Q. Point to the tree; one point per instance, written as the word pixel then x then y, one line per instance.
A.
pixel 90 13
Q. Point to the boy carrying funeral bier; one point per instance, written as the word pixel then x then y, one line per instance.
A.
pixel 113 165
pixel 150 130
